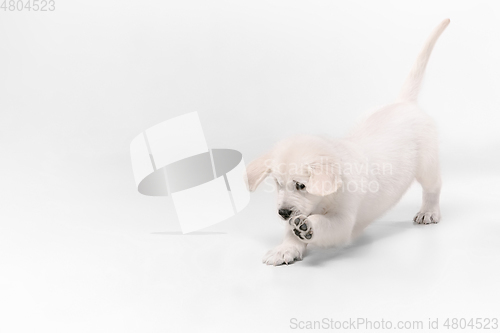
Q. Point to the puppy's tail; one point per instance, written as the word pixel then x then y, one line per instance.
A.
pixel 411 86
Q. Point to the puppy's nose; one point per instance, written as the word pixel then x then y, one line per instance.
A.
pixel 285 213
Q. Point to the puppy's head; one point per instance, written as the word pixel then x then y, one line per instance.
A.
pixel 304 174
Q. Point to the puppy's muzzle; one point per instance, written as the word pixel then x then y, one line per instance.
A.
pixel 285 213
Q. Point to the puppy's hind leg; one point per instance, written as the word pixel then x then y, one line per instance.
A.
pixel 429 176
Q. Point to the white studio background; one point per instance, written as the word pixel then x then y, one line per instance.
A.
pixel 81 250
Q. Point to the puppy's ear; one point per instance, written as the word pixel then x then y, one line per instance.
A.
pixel 257 171
pixel 324 177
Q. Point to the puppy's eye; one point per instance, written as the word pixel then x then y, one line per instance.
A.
pixel 299 186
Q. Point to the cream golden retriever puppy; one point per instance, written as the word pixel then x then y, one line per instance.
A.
pixel 329 190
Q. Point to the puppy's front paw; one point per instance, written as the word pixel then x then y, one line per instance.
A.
pixel 282 254
pixel 427 217
pixel 301 227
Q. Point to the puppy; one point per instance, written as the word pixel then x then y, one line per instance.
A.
pixel 329 190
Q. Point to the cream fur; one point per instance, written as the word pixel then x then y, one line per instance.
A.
pixel 350 182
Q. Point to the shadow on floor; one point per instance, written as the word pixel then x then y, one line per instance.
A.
pixel 315 256
pixel 197 233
